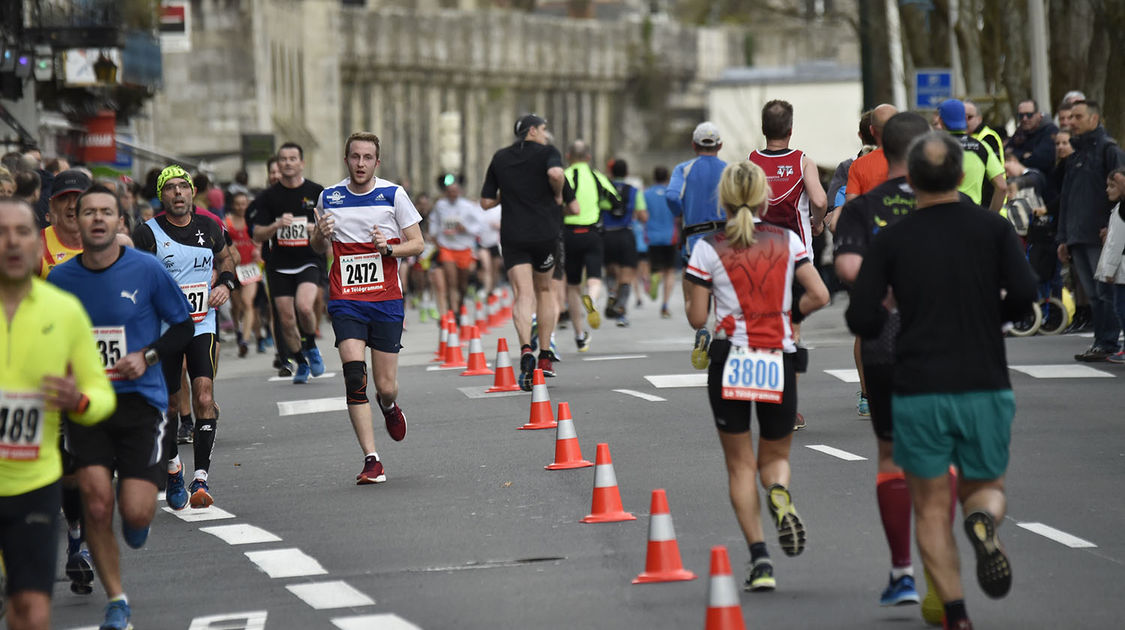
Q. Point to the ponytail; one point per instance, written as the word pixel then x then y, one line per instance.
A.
pixel 742 193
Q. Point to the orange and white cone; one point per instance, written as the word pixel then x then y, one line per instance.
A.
pixel 494 317
pixel 662 562
pixel 506 303
pixel 505 380
pixel 482 318
pixel 453 356
pixel 568 453
pixel 724 610
pixel 606 505
pixel 443 337
pixel 541 415
pixel 477 365
pixel 466 322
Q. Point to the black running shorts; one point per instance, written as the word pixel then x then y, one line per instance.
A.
pixel 620 247
pixel 29 538
pixel 130 441
pixel 662 257
pixel 540 255
pixel 775 421
pixel 285 284
pixel 202 354
pixel 878 379
pixel 583 251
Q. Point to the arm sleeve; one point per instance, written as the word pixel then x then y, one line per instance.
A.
pixel 674 192
pixel 89 375
pixel 143 239
pixel 406 214
pixel 866 315
pixel 490 188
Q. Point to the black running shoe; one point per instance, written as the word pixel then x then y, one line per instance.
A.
pixel 760 577
pixel 527 367
pixel 993 570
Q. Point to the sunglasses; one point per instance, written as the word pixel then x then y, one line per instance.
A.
pixel 1026 114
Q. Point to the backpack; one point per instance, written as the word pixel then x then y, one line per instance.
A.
pixel 616 206
pixel 610 199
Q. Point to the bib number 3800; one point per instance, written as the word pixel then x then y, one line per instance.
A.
pixel 752 374
pixel 21 430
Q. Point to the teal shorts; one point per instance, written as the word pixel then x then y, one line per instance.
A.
pixel 971 430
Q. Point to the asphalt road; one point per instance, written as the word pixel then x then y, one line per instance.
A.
pixel 471 532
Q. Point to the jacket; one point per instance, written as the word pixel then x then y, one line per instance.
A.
pixel 1083 205
pixel 1035 148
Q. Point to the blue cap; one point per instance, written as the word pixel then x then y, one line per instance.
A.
pixel 952 112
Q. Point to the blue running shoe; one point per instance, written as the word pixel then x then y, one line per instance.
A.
pixel 302 373
pixel 900 592
pixel 200 494
pixel 117 615
pixel 73 545
pixel 80 570
pixel 134 537
pixel 174 493
pixel 261 346
pixel 862 406
pixel 316 363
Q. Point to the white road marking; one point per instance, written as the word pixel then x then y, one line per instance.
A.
pixel 193 515
pixel 478 391
pixel 438 368
pixel 242 621
pixel 616 357
pixel 285 563
pixel 665 381
pixel 1062 370
pixel 641 395
pixel 278 379
pixel 386 621
pixel 241 534
pixel 336 594
pixel 850 375
pixel 315 405
pixel 835 452
pixel 1057 535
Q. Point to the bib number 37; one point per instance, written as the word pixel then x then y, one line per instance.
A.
pixel 753 374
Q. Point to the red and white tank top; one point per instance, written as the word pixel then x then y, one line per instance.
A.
pixel 788 203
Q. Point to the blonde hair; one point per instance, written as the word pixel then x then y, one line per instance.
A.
pixel 742 193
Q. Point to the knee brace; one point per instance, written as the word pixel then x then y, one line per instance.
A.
pixel 355 382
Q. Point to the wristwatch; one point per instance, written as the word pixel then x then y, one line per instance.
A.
pixel 390 251
pixel 151 357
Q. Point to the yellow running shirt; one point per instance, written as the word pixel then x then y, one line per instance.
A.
pixel 54 252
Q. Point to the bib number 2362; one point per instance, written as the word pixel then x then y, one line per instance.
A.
pixel 361 273
pixel 751 374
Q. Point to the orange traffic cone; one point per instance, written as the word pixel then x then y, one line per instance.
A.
pixel 453 356
pixel 662 562
pixel 443 337
pixel 505 380
pixel 477 365
pixel 482 318
pixel 466 322
pixel 494 316
pixel 568 454
pixel 724 610
pixel 506 302
pixel 606 506
pixel 541 416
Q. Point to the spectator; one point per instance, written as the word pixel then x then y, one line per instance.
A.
pixel 29 188
pixel 7 185
pixel 988 136
pixel 981 164
pixel 1032 140
pixel 1111 265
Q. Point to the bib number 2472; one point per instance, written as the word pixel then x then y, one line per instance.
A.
pixel 752 374
pixel 361 273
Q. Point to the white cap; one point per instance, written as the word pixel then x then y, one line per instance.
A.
pixel 706 134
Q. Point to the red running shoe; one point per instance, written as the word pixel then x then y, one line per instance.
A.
pixel 395 419
pixel 372 472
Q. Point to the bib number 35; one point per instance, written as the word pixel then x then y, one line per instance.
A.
pixel 753 374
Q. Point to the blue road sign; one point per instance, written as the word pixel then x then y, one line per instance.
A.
pixel 932 86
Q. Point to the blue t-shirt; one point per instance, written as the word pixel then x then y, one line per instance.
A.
pixel 661 226
pixel 693 193
pixel 127 303
pixel 611 222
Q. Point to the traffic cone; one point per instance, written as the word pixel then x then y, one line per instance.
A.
pixel 443 337
pixel 453 356
pixel 606 507
pixel 494 316
pixel 506 301
pixel 505 380
pixel 482 318
pixel 662 562
pixel 541 416
pixel 568 454
pixel 724 610
pixel 477 365
pixel 466 322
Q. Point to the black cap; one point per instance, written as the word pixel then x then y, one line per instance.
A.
pixel 70 180
pixel 526 122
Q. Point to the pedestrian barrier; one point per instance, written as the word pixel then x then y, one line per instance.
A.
pixel 606 505
pixel 541 416
pixel 568 453
pixel 662 561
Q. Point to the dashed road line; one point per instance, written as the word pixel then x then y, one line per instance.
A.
pixel 242 534
pixel 334 594
pixel 1058 535
pixel 438 368
pixel 285 563
pixel 326 375
pixel 666 381
pixel 385 621
pixel 641 395
pixel 616 357
pixel 194 515
pixel 850 375
pixel 255 620
pixel 479 391
pixel 835 452
pixel 1060 371
pixel 315 405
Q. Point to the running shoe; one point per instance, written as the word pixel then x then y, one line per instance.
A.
pixel 592 316
pixel 1116 358
pixel 899 592
pixel 862 407
pixel 117 615
pixel 395 420
pixel 200 494
pixel 664 312
pixel 534 333
pixel 243 349
pixel 583 342
pixel 933 612
pixel 316 363
pixel 700 358
pixel 799 422
pixel 610 305
pixel 134 537
pixel 185 434
pixel 527 367
pixel 760 577
pixel 285 368
pixel 302 373
pixel 555 356
pixel 1094 354
pixel 790 530
pixel 80 570
pixel 174 493
pixel 993 570
pixel 372 472
pixel 261 346
pixel 547 363
pixel 622 322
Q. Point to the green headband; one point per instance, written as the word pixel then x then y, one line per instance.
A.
pixel 171 172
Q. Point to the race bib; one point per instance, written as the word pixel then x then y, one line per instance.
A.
pixel 197 295
pixel 21 424
pixel 295 234
pixel 361 273
pixel 451 224
pixel 752 374
pixel 111 347
pixel 248 274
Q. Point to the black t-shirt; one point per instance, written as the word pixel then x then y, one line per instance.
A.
pixel 518 177
pixel 199 232
pixel 289 247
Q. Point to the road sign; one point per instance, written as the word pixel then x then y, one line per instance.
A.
pixel 932 86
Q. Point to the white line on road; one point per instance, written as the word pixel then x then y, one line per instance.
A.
pixel 641 395
pixel 193 515
pixel 850 375
pixel 285 563
pixel 835 452
pixel 336 594
pixel 1057 535
pixel 665 381
pixel 438 368
pixel 478 391
pixel 616 357
pixel 278 379
pixel 240 534
pixel 1060 371
pixel 315 405
pixel 243 621
pixel 386 621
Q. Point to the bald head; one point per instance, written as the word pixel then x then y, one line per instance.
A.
pixel 879 117
pixel 578 151
pixel 934 163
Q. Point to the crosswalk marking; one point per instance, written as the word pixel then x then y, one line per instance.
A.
pixel 285 563
pixel 235 621
pixel 242 534
pixel 193 515
pixel 850 375
pixel 1058 535
pixel 479 391
pixel 835 452
pixel 616 357
pixel 385 621
pixel 1065 370
pixel 641 395
pixel 326 375
pixel 335 594
pixel 665 381
pixel 315 405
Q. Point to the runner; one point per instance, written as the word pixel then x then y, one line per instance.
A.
pixel 455 225
pixel 951 399
pixel 128 295
pixel 620 242
pixel 660 231
pixel 752 356
pixel 285 212
pixel 582 240
pixel 370 223
pixel 193 249
pixel 61 241
pixel 529 173
pixel 249 272
pixel 51 365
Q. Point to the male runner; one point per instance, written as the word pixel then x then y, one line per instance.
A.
pixel 61 241
pixel 285 214
pixel 193 249
pixel 370 223
pixel 619 241
pixel 660 230
pixel 582 240
pixel 51 366
pixel 455 223
pixel 128 296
